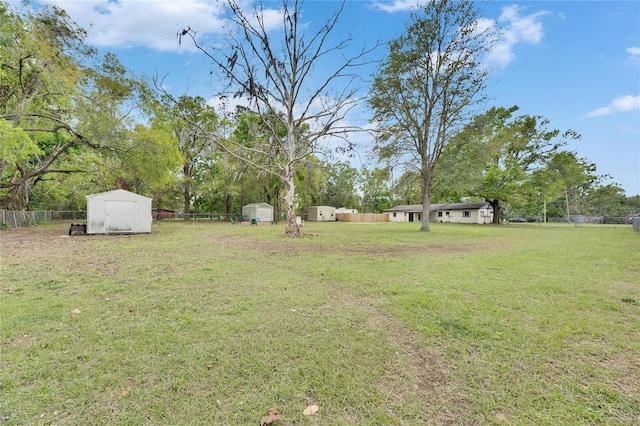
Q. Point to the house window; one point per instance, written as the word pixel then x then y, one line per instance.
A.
pixel 466 214
pixel 481 213
pixel 394 214
pixel 447 213
pixel 439 214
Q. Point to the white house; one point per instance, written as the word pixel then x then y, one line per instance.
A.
pixel 118 212
pixel 346 210
pixel 448 212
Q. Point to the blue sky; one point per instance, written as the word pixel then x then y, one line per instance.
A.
pixel 576 63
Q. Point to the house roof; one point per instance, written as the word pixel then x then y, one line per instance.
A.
pixel 417 208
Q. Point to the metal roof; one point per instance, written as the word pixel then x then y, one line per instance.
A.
pixel 417 208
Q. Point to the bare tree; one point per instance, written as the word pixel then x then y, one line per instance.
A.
pixel 283 74
pixel 426 89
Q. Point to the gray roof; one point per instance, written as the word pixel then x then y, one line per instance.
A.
pixel 417 208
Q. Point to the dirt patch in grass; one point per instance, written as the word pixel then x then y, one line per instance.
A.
pixel 302 248
pixel 56 238
pixel 418 371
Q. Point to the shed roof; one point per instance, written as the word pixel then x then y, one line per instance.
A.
pixel 262 205
pixel 117 192
pixel 417 208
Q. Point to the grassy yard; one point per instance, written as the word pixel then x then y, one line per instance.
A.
pixel 215 324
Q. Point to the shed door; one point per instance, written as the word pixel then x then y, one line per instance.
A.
pixel 121 216
pixel 264 215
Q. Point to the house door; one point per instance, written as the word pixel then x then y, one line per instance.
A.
pixel 410 217
pixel 121 216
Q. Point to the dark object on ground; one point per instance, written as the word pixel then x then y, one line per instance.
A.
pixel 78 229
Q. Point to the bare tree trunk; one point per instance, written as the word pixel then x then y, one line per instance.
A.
pixel 227 205
pixel 426 196
pixel 292 229
pixel 187 204
pixel 277 206
pixel 426 207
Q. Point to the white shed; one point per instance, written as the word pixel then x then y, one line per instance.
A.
pixel 261 212
pixel 118 212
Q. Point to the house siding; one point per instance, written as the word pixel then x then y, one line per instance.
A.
pixel 446 213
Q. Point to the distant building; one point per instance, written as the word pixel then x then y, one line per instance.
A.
pixel 345 210
pixel 321 214
pixel 163 214
pixel 259 212
pixel 447 212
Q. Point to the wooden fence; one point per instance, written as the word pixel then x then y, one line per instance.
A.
pixel 362 217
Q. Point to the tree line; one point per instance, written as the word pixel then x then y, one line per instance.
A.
pixel 75 122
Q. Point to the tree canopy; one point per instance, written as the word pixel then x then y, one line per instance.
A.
pixel 502 158
pixel 428 86
pixel 62 94
pixel 277 72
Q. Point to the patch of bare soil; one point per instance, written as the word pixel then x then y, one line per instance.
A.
pixel 33 234
pixel 418 374
pixel 300 248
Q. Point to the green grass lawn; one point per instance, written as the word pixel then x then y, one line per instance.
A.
pixel 207 323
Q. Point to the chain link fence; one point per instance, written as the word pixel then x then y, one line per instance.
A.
pixel 21 218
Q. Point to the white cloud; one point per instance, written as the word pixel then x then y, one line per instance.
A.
pixel 147 23
pixel 397 5
pixel 633 51
pixel 618 104
pixel 518 29
pixel 153 24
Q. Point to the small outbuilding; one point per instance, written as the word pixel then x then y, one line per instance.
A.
pixel 258 212
pixel 321 214
pixel 118 212
pixel 163 214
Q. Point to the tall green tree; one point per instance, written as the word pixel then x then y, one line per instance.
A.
pixel 428 86
pixel 278 71
pixel 192 124
pixel 406 189
pixel 563 174
pixel 341 186
pixel 59 91
pixel 375 186
pixel 607 201
pixel 498 157
pixel 311 181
